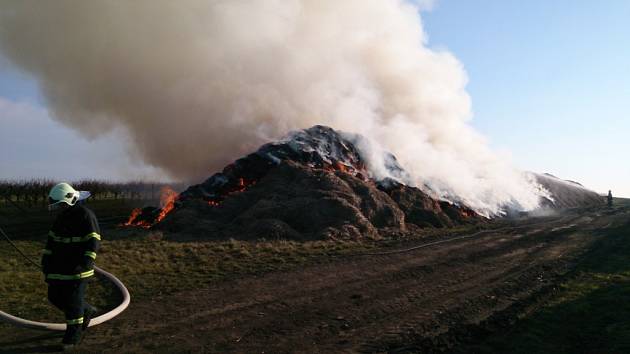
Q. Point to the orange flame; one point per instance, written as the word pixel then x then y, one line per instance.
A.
pixel 133 216
pixel 241 186
pixel 168 197
pixel 467 213
pixel 132 219
pixel 341 167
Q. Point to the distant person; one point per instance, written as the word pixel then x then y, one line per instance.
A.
pixel 610 199
pixel 68 259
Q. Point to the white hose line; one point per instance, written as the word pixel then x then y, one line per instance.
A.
pixel 20 322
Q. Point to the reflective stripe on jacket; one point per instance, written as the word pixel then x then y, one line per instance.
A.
pixel 72 244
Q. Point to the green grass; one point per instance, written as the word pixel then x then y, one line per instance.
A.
pixel 589 314
pixel 151 267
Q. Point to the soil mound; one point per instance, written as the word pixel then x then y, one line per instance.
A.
pixel 312 185
pixel 567 194
pixel 315 184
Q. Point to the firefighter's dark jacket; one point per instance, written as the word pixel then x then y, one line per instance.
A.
pixel 72 244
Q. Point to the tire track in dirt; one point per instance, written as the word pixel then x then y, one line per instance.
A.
pixel 361 303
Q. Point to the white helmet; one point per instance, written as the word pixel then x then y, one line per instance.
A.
pixel 64 193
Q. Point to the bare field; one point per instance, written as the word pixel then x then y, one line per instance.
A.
pixel 283 297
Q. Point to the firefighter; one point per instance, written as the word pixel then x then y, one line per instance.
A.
pixel 68 259
pixel 610 199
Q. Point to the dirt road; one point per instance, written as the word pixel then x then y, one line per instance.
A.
pixel 425 300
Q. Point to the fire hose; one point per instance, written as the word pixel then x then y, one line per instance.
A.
pixel 20 322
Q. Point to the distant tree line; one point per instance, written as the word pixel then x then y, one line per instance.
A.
pixel 35 191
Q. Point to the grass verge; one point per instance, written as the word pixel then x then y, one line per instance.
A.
pixel 150 267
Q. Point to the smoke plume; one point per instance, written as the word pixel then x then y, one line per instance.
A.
pixel 199 83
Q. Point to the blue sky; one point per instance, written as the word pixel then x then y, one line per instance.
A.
pixel 549 81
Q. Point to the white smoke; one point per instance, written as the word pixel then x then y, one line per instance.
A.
pixel 199 83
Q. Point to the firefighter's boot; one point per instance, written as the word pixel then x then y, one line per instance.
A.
pixel 73 336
